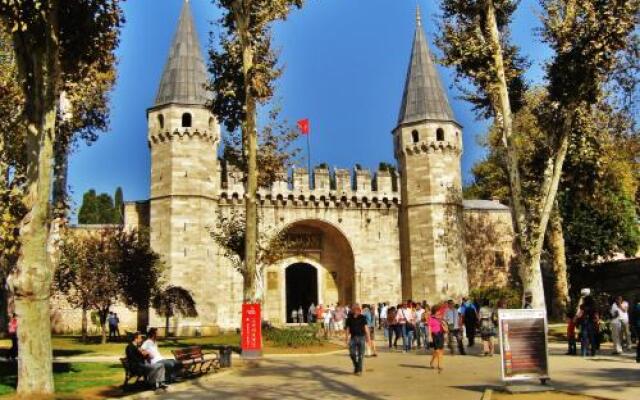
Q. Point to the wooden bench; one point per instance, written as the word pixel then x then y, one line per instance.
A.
pixel 129 373
pixel 194 362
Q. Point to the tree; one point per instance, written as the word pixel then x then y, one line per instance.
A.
pixel 172 301
pixel 139 273
pixel 87 273
pixel 229 234
pixel 98 209
pixel 88 213
pixel 244 70
pixel 588 38
pixel 594 214
pixel 277 151
pixel 53 43
pixel 118 206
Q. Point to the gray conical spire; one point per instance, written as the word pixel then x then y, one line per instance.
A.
pixel 424 98
pixel 185 73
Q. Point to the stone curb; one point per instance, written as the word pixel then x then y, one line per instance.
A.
pixel 176 387
pixel 488 393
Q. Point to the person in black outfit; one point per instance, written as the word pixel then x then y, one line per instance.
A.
pixel 136 357
pixel 356 337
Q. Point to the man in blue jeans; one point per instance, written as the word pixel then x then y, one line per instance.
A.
pixel 356 337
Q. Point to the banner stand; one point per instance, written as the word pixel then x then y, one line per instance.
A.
pixel 524 350
pixel 251 333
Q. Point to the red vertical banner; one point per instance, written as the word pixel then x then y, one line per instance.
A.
pixel 251 331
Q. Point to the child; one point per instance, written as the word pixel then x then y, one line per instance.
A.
pixel 571 333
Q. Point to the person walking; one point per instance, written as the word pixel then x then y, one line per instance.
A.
pixel 636 313
pixel 469 319
pixel 571 334
pixel 617 314
pixel 13 335
pixel 383 320
pixel 339 317
pixel 487 328
pixel 371 325
pixel 111 320
pixel 419 312
pixel 311 315
pixel 356 337
pixel 391 326
pixel 587 320
pixel 452 319
pixel 425 326
pixel 437 331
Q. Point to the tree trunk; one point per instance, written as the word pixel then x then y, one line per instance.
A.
pixel 38 60
pixel 84 325
pixel 555 240
pixel 250 144
pixel 103 326
pixel 529 258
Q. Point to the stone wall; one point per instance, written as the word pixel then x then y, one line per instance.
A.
pixel 488 243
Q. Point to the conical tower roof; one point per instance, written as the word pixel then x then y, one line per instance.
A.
pixel 424 98
pixel 185 73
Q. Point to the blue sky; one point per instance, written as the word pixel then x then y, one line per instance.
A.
pixel 345 63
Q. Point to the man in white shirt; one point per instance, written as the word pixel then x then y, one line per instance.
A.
pixel 620 325
pixel 150 346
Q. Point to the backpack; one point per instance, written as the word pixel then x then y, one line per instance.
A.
pixel 470 315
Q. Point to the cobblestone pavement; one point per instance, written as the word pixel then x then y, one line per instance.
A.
pixel 395 375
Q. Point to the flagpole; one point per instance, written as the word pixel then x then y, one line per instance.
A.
pixel 309 152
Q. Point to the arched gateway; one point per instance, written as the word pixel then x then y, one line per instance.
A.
pixel 318 269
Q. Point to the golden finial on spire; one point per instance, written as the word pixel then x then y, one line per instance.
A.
pixel 418 16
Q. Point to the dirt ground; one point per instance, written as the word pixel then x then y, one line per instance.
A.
pixel 541 396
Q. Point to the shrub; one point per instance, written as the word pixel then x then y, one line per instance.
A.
pixel 303 336
pixel 512 296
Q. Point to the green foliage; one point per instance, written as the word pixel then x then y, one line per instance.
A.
pixel 174 300
pixel 511 295
pixel 244 24
pixel 463 40
pixel 100 209
pixel 304 336
pixel 118 204
pixel 140 269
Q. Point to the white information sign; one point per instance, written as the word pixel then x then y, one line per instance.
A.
pixel 523 344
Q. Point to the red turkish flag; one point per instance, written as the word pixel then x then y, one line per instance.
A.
pixel 303 125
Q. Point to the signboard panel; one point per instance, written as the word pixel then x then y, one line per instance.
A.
pixel 523 344
pixel 251 331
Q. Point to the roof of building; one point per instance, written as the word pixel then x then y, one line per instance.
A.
pixel 424 97
pixel 185 74
pixel 484 205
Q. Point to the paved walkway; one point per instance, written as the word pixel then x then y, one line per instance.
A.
pixel 406 376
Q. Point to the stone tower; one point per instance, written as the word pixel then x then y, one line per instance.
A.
pixel 428 146
pixel 183 139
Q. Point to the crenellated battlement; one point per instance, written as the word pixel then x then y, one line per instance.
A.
pixel 182 133
pixel 346 187
pixel 433 146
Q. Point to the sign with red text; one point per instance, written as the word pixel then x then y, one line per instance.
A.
pixel 251 331
pixel 523 344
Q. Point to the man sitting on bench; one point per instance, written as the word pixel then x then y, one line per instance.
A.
pixel 150 346
pixel 136 357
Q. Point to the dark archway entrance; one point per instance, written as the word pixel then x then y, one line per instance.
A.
pixel 302 288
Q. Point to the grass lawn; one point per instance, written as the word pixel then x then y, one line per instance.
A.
pixel 102 380
pixel 71 379
pixel 68 346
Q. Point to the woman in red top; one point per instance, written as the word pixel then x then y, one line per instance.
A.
pixel 436 331
pixel 13 334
